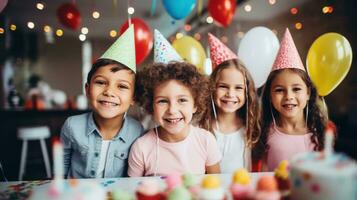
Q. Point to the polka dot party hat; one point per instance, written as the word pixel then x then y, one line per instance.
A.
pixel 288 56
pixel 218 51
pixel 163 51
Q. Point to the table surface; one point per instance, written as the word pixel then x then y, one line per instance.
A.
pixel 22 189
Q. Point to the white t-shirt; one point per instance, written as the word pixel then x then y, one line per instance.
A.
pixel 232 147
pixel 103 158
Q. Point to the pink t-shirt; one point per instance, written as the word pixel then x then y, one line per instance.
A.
pixel 198 150
pixel 282 146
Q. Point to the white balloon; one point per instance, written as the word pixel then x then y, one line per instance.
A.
pixel 258 50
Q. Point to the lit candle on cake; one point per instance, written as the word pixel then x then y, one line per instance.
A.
pixel 58 164
pixel 329 137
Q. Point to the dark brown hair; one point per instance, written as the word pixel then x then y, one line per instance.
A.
pixel 187 74
pixel 317 117
pixel 250 117
pixel 104 62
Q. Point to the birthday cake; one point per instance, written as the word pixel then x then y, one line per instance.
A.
pixel 316 177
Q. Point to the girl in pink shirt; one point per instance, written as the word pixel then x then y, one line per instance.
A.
pixel 174 94
pixel 292 119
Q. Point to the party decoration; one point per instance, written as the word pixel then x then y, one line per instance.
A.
pixel 179 9
pixel 163 51
pixel 143 38
pixel 328 61
pixel 222 11
pixel 288 55
pixel 123 49
pixel 3 4
pixel 69 16
pixel 218 51
pixel 257 50
pixel 190 50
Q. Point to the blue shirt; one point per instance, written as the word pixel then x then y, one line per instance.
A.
pixel 82 145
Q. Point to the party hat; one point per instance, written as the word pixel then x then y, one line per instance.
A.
pixel 163 51
pixel 218 51
pixel 288 56
pixel 123 49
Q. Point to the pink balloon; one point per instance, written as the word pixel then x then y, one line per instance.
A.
pixel 3 4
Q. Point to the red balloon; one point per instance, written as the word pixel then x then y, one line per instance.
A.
pixel 143 38
pixel 222 10
pixel 68 14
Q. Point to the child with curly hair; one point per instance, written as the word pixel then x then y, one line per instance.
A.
pixel 234 117
pixel 174 94
pixel 292 119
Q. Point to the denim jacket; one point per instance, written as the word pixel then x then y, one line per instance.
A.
pixel 82 145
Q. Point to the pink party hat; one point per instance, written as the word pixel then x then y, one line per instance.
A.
pixel 218 51
pixel 288 56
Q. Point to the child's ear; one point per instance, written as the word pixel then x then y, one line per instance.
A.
pixel 194 109
pixel 132 102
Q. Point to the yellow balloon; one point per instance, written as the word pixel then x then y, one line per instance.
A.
pixel 191 50
pixel 328 61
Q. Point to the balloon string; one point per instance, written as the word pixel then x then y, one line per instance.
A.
pixel 153 7
pixel 129 17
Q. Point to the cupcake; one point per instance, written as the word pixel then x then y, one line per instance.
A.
pixel 211 188
pixel 179 193
pixel 191 183
pixel 173 181
pixel 240 187
pixel 149 190
pixel 120 194
pixel 267 189
pixel 282 177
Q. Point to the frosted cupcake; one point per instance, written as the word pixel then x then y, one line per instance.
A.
pixel 240 187
pixel 173 181
pixel 267 189
pixel 149 190
pixel 282 177
pixel 179 193
pixel 120 194
pixel 191 182
pixel 211 188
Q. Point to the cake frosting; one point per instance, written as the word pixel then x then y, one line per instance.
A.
pixel 240 187
pixel 267 189
pixel 179 193
pixel 315 176
pixel 281 175
pixel 211 188
pixel 149 189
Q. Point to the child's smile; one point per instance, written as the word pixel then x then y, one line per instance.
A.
pixel 107 103
pixel 173 108
pixel 289 95
pixel 230 90
pixel 111 93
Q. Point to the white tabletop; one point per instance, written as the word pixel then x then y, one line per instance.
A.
pixel 21 189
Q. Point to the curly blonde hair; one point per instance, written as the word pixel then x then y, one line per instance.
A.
pixel 249 113
pixel 187 74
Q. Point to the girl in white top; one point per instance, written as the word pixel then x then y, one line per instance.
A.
pixel 234 118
